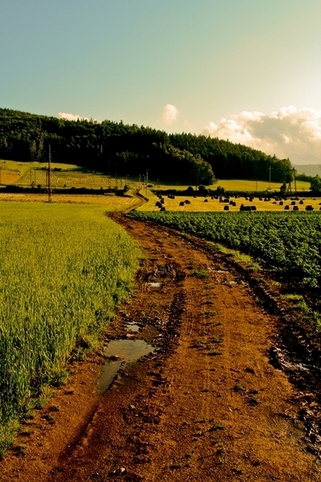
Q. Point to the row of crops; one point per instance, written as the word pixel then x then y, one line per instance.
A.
pixel 288 244
pixel 62 271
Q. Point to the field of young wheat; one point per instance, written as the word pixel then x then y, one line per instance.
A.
pixel 63 268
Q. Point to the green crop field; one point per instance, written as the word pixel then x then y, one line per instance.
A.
pixel 286 244
pixel 63 268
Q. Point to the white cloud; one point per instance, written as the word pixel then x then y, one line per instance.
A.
pixel 71 117
pixel 288 132
pixel 170 114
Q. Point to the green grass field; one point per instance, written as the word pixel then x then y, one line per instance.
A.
pixel 63 268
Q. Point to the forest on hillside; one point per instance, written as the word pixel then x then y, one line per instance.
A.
pixel 129 150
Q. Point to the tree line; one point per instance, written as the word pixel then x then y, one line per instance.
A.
pixel 129 150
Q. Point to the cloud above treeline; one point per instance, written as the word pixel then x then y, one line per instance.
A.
pixel 288 133
pixel 71 117
pixel 170 114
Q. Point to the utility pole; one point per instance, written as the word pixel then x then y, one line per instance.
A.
pixel 294 171
pixel 146 180
pixel 270 169
pixel 49 175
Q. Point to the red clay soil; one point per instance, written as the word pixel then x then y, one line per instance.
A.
pixel 207 405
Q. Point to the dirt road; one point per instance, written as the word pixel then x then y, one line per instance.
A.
pixel 206 405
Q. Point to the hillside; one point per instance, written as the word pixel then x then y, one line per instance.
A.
pixel 119 149
pixel 308 169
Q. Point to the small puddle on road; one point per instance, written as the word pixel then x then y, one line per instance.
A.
pixel 128 351
pixel 132 326
pixel 155 284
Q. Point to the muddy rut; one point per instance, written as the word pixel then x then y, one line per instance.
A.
pixel 206 405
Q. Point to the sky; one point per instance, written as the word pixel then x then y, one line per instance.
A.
pixel 244 70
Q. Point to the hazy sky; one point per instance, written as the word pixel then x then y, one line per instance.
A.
pixel 244 70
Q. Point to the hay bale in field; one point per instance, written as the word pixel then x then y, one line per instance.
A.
pixel 182 203
pixel 247 208
pixel 309 207
pixel 163 208
pixel 226 207
pixel 295 208
pixel 286 207
pixel 281 203
pixel 187 201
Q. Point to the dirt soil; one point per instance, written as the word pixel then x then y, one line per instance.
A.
pixel 207 405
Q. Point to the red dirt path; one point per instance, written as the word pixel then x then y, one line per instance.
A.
pixel 206 406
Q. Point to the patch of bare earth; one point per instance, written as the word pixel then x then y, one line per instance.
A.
pixel 207 405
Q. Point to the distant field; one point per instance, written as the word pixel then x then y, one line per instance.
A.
pixel 21 168
pixel 62 175
pixel 68 175
pixel 240 185
pixel 8 176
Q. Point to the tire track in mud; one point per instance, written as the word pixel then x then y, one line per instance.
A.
pixel 244 398
pixel 207 405
pixel 202 434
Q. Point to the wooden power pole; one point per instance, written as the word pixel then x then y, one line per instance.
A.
pixel 49 175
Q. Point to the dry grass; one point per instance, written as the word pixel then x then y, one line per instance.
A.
pixel 202 204
pixel 241 185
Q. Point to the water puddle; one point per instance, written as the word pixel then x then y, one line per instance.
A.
pixel 120 353
pixel 218 270
pixel 132 326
